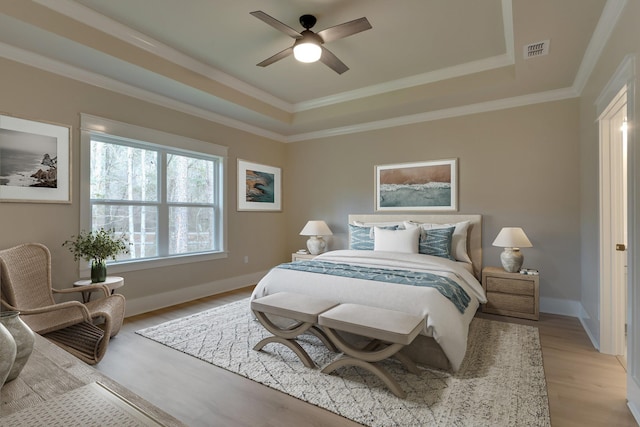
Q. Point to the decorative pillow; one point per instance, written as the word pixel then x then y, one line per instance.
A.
pixel 361 238
pixel 405 241
pixel 459 238
pixel 437 242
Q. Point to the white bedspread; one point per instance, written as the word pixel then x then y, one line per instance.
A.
pixel 443 321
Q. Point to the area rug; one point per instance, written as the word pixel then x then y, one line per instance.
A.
pixel 501 381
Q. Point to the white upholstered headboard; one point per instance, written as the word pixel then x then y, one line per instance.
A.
pixel 474 241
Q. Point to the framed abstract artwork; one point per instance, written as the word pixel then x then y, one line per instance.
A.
pixel 35 161
pixel 259 187
pixel 421 186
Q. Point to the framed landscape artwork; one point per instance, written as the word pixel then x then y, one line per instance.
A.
pixel 34 161
pixel 422 186
pixel 259 187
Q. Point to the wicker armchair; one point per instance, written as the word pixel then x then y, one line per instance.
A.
pixel 25 280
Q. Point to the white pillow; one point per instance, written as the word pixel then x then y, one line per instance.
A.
pixel 458 240
pixel 405 241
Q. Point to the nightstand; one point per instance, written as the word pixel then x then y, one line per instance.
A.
pixel 511 294
pixel 299 257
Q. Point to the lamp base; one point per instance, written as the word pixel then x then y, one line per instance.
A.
pixel 316 245
pixel 511 259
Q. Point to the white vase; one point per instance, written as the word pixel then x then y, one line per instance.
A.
pixel 24 339
pixel 7 353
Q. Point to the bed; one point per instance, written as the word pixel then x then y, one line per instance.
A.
pixel 445 291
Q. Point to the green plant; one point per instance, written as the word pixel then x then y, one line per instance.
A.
pixel 97 245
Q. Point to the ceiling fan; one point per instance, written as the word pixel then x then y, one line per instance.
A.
pixel 308 45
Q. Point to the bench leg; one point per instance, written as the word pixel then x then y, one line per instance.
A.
pixel 286 336
pixel 294 346
pixel 376 370
pixel 314 330
pixel 374 351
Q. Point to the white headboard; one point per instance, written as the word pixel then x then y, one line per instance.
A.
pixel 474 241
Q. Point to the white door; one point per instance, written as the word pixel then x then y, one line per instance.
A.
pixel 613 226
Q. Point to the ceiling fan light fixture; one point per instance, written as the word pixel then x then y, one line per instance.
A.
pixel 307 52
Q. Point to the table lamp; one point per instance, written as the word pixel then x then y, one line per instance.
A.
pixel 315 230
pixel 512 239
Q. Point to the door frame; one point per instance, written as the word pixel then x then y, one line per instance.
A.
pixel 626 75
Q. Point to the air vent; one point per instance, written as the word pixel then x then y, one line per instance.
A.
pixel 536 49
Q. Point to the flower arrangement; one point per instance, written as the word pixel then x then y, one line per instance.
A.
pixel 97 247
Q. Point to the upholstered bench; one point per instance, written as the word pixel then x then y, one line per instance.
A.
pixel 388 330
pixel 303 309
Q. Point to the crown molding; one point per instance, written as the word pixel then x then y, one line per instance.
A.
pixel 56 67
pixel 407 82
pixel 606 24
pixel 481 107
pixel 507 23
pixel 107 25
pixel 94 79
pixel 610 15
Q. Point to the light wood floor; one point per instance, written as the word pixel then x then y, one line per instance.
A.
pixel 585 388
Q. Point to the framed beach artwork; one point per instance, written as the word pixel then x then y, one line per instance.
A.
pixel 259 187
pixel 422 186
pixel 34 161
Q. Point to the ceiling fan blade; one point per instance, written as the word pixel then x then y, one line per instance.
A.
pixel 277 57
pixel 344 30
pixel 276 24
pixel 332 61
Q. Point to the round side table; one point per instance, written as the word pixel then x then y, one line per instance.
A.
pixel 112 282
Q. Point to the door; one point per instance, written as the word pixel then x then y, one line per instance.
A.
pixel 613 226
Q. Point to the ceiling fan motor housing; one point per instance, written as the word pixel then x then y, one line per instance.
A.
pixel 307 21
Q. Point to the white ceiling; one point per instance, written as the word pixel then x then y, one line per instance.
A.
pixel 422 59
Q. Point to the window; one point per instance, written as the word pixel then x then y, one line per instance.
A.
pixel 168 199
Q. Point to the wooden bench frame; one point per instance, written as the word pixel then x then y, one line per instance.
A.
pixel 381 346
pixel 302 311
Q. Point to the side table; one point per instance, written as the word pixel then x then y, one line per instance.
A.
pixel 296 256
pixel 112 282
pixel 511 294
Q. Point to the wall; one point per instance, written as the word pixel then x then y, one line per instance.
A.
pixel 35 94
pixel 517 167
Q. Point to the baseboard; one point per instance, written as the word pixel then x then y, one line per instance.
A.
pixel 633 398
pixel 587 329
pixel 564 307
pixel 166 299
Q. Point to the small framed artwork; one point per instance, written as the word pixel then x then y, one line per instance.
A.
pixel 422 186
pixel 35 161
pixel 259 187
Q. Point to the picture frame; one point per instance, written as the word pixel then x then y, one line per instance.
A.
pixel 259 187
pixel 35 161
pixel 418 186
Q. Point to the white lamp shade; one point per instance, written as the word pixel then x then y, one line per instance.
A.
pixel 316 228
pixel 512 237
pixel 307 52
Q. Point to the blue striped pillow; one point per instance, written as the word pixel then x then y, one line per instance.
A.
pixel 362 239
pixel 437 242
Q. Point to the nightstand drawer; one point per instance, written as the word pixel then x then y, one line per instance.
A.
pixel 510 286
pixel 510 302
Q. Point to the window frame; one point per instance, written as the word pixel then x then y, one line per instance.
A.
pixel 150 138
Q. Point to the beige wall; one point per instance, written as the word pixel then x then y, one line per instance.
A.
pixel 31 93
pixel 624 40
pixel 517 167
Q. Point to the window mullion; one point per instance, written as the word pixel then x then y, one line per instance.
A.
pixel 163 207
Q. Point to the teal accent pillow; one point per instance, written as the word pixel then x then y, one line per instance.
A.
pixel 362 239
pixel 437 242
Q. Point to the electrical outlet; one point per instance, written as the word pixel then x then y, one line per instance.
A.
pixel 246 259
